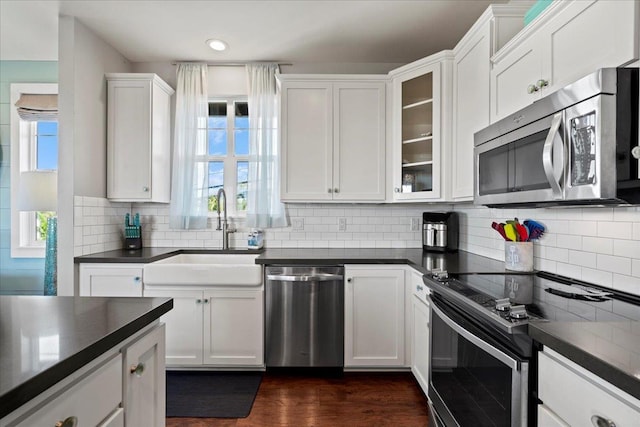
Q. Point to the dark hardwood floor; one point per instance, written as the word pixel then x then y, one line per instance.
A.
pixel 356 399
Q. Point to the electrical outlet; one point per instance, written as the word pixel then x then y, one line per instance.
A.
pixel 342 224
pixel 297 224
pixel 415 224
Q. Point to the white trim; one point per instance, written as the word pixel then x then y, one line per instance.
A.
pixel 19 163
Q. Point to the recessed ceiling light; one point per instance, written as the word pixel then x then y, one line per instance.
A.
pixel 216 44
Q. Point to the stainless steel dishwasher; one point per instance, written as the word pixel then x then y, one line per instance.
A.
pixel 304 316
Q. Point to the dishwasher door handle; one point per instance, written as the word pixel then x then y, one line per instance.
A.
pixel 305 277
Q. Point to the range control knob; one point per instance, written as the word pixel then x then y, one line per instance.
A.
pixel 518 312
pixel 439 275
pixel 503 304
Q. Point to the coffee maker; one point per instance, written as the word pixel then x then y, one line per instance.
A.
pixel 440 231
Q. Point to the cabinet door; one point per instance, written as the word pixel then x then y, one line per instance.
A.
pixel 359 141
pixel 546 418
pixel 144 380
pixel 183 326
pixel 374 317
pixel 129 139
pixel 307 141
pixel 588 35
pixel 416 141
pixel 471 73
pixel 420 343
pixel 233 328
pixel 511 77
pixel 111 280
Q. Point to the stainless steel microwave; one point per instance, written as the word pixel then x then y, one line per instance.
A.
pixel 576 146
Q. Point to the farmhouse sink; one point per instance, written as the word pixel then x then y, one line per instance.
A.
pixel 204 270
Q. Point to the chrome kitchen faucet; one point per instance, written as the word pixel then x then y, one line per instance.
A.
pixel 225 225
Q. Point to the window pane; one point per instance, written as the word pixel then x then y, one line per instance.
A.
pixel 242 142
pixel 242 111
pixel 217 142
pixel 242 182
pixel 218 109
pixel 47 146
pixel 41 225
pixel 216 182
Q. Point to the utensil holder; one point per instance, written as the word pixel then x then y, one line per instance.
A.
pixel 133 237
pixel 518 256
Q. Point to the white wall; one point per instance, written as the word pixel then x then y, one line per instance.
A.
pixel 84 60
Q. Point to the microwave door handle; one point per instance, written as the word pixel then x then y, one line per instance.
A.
pixel 547 153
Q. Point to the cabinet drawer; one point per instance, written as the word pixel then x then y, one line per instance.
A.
pixel 92 400
pixel 104 280
pixel 559 377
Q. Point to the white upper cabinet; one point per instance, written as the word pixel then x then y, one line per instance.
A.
pixel 471 101
pixel 569 40
pixel 138 138
pixel 421 113
pixel 333 138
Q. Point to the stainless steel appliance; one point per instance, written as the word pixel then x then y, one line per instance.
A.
pixel 304 316
pixel 481 357
pixel 578 145
pixel 440 231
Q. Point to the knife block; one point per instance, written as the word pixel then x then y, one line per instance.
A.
pixel 134 242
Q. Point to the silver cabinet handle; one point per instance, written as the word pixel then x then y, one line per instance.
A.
pixel 419 288
pixel 329 191
pixel 335 190
pixel 542 83
pixel 599 421
pixel 532 89
pixel 305 277
pixel 547 151
pixel 145 189
pixel 68 422
pixel 137 370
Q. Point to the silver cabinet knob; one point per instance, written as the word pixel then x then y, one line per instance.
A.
pixel 69 422
pixel 145 189
pixel 335 190
pixel 532 89
pixel 198 301
pixel 349 280
pixel 599 421
pixel 419 288
pixel 542 83
pixel 137 370
pixel 635 152
pixel 396 190
pixel 137 279
pixel 329 191
pixel 206 301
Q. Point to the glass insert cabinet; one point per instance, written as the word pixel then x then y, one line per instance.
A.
pixel 416 140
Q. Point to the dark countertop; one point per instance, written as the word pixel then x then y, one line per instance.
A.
pixel 611 350
pixel 79 330
pixel 454 262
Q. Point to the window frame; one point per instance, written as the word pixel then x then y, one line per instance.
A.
pixel 230 160
pixel 24 243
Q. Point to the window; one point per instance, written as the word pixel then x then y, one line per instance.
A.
pixel 34 146
pixel 228 153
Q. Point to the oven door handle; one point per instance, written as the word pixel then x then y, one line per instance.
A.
pixel 547 153
pixel 503 357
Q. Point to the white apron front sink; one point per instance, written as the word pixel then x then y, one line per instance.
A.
pixel 204 270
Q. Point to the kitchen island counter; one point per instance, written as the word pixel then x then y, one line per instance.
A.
pixel 45 339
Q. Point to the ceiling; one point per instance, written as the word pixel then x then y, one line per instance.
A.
pixel 385 31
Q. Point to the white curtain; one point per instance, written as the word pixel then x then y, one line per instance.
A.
pixel 264 209
pixel 189 181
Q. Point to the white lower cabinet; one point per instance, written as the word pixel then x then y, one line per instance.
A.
pixel 213 327
pixel 419 331
pixel 145 381
pixel 600 402
pixel 111 280
pixel 374 317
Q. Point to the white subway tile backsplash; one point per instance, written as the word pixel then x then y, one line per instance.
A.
pixel 597 245
pixel 627 248
pixel 614 264
pixel 616 230
pixel 581 258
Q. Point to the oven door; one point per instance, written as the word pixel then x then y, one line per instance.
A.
pixel 523 166
pixel 473 381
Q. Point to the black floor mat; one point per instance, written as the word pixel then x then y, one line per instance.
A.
pixel 211 394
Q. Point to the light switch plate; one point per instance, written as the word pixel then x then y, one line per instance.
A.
pixel 342 224
pixel 415 224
